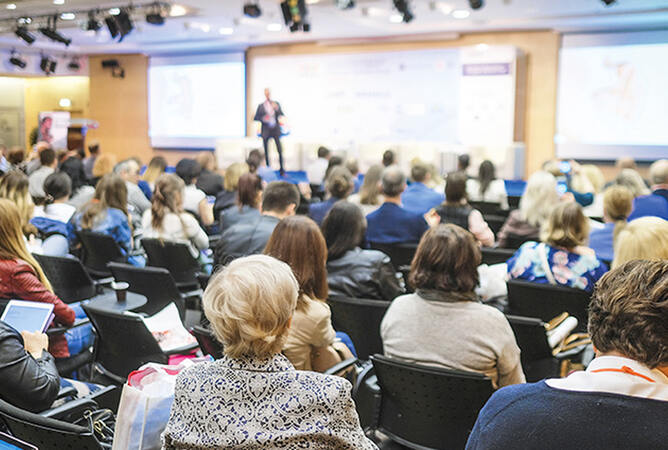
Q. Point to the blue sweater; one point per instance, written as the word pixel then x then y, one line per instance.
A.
pixel 418 198
pixel 391 224
pixel 650 205
pixel 536 416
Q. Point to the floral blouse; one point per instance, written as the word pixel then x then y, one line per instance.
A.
pixel 568 269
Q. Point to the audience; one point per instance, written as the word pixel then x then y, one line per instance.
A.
pixel 104 164
pixel 73 167
pixel 596 181
pixel 338 185
pixel 48 164
pixel 210 182
pixel 194 199
pixel 487 188
pixel 14 187
pixel 632 180
pixel 16 158
pixel 620 400
pixel 156 167
pixel 251 307
pixel 352 271
pixel 89 162
pixel 257 164
pixel 280 199
pixel 463 163
pixel 316 170
pixel 128 170
pixel 354 168
pixel 389 158
pixel 656 203
pixel 418 198
pixel 561 258
pixel 249 200
pixel 369 197
pixel 617 203
pixel 51 218
pixel 644 238
pixel 334 161
pixel 228 196
pixel 167 219
pixel 443 324
pixel 456 210
pixel 310 343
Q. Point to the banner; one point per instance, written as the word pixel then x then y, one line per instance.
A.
pixel 53 128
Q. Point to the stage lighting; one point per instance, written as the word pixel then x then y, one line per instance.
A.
pixel 74 65
pixel 93 24
pixel 609 2
pixel 252 9
pixel 155 15
pixel 124 22
pixel 50 31
pixel 110 21
pixel 345 4
pixel 47 64
pixel 294 15
pixel 404 10
pixel 24 34
pixel 476 4
pixel 16 60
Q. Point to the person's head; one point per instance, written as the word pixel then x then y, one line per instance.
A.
pixel 104 164
pixel 594 175
pixel 334 161
pixel 94 148
pixel 628 311
pixel 389 158
pixel 617 205
pixel 156 167
pixel 73 167
pixel 254 160
pixel 16 156
pixel 267 93
pixel 344 228
pixel 643 238
pixel 455 188
pixel 280 199
pixel 323 152
pixel 420 172
pixel 353 166
pixel 567 226
pixel 446 259
pixel 393 182
pixel 463 162
pixel 249 191
pixel 128 170
pixel 539 198
pixel 297 241
pixel 249 304
pixel 370 190
pixel 232 175
pixel 167 198
pixel 486 174
pixel 658 174
pixel 206 160
pixel 552 166
pixel 14 187
pixel 47 158
pixel 632 180
pixel 188 170
pixel 12 244
pixel 57 187
pixel 110 192
pixel 339 183
pixel 626 162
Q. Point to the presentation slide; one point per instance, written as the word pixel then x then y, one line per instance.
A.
pixel 612 99
pixel 195 100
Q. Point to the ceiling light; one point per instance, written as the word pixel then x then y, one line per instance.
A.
pixel 343 4
pixel 155 15
pixel 476 4
pixel 313 2
pixel 404 9
pixel 112 26
pixel 74 65
pixel 47 64
pixel 396 18
pixel 609 2
pixel 460 13
pixel 225 30
pixel 65 103
pixel 252 9
pixel 11 6
pixel 444 8
pixel 177 11
pixel 124 22
pixel 58 2
pixel 115 11
pixel 68 16
pixel 50 31
pixel 24 34
pixel 294 15
pixel 274 27
pixel 16 60
pixel 93 24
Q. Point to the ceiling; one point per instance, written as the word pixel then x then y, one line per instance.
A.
pixel 215 25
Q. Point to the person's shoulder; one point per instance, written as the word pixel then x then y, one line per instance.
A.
pixel 116 213
pixel 14 266
pixel 517 396
pixel 331 386
pixel 373 256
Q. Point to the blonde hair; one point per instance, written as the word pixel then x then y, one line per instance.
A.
pixel 14 186
pixel 658 172
pixel 590 179
pixel 539 198
pixel 617 205
pixel 232 175
pixel 167 197
pixel 206 160
pixel 567 226
pixel 632 180
pixel 104 164
pixel 12 244
pixel 249 304
pixel 155 168
pixel 643 238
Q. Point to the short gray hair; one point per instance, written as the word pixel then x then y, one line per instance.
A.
pixel 658 172
pixel 393 181
pixel 126 166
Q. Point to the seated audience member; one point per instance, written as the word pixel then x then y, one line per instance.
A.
pixel 354 168
pixel 644 238
pixel 334 161
pixel 104 164
pixel 389 158
pixel 14 187
pixel 443 324
pixel 168 221
pixel 338 185
pixel 620 401
pixel 128 170
pixel 73 167
pixel 592 176
pixel 280 199
pixel 316 170
pixel 617 203
pixel 210 182
pixel 51 218
pixel 352 271
pixel 656 203
pixel 249 199
pixel 48 164
pixel 21 277
pixel 32 162
pixel 369 197
pixel 194 199
pixel 310 344
pixel 250 305
pixel 391 223
pixel 106 213
pixel 257 165
pixel 228 196
pixel 632 180
pixel 463 163
pixel 418 198
pixel 156 167
pixel 487 188
pixel 456 210
pixel 89 162
pixel 540 197
pixel 16 159
pixel 562 257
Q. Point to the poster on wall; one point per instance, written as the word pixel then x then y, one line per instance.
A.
pixel 53 128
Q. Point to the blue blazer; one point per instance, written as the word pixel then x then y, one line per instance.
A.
pixel 391 224
pixel 418 198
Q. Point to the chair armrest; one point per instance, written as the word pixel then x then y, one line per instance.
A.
pixel 181 350
pixel 192 294
pixel 108 397
pixel 103 281
pixel 69 391
pixel 116 379
pixel 343 365
pixel 75 408
pixel 53 331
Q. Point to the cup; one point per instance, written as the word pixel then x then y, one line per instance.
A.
pixel 121 289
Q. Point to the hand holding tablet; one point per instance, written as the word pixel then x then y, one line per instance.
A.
pixel 28 316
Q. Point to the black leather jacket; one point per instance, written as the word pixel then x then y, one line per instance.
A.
pixel 25 382
pixel 245 238
pixel 366 274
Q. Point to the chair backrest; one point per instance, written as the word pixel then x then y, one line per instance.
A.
pixel 515 241
pixel 495 222
pixel 514 201
pixel 401 254
pixel 98 250
pixel 46 433
pixel 207 341
pixel 360 319
pixel 70 281
pixel 426 407
pixel 531 337
pixel 124 343
pixel 495 255
pixel 545 301
pixel 155 283
pixel 487 207
pixel 175 257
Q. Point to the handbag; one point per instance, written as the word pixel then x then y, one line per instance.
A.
pixel 101 422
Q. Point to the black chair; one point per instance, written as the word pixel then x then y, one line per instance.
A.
pixel 489 208
pixel 207 341
pixel 492 255
pixel 155 283
pixel 176 258
pixel 514 201
pixel 401 254
pixel 70 281
pixel 545 301
pixel 98 250
pixel 495 222
pixel 537 359
pixel 426 407
pixel 360 319
pixel 515 241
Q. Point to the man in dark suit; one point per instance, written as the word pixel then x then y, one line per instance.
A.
pixel 269 113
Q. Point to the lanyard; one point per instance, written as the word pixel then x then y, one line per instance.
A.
pixel 625 369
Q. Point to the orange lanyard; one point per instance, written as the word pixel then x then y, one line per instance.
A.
pixel 625 369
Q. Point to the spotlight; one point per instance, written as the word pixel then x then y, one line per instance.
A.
pixel 155 16
pixel 609 2
pixel 112 26
pixel 23 33
pixel 93 24
pixel 294 14
pixel 47 64
pixel 252 9
pixel 50 31
pixel 477 4
pixel 74 64
pixel 345 4
pixel 16 60
pixel 404 10
pixel 124 22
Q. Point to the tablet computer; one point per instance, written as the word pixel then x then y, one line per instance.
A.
pixel 28 316
pixel 8 442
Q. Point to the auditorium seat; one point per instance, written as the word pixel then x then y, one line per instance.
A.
pixel 98 250
pixel 360 319
pixel 495 255
pixel 176 258
pixel 70 281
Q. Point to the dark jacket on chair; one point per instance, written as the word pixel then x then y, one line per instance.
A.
pixel 367 274
pixel 243 239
